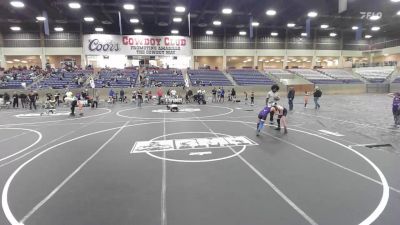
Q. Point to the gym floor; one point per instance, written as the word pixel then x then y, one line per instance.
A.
pixel 203 165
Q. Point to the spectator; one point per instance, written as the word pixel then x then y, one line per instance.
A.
pixel 15 99
pixel 23 97
pixel 122 95
pixel 290 97
pixel 32 100
pixel 159 95
pixel 214 95
pixel 317 95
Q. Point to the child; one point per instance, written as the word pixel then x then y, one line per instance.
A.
pixel 396 108
pixel 80 107
pixel 252 98
pixel 306 96
pixel 282 113
pixel 262 116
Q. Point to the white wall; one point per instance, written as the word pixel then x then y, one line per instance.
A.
pixel 63 51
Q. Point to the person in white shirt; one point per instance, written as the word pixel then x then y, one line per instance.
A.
pixel 272 99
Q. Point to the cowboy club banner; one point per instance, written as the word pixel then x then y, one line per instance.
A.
pixel 102 44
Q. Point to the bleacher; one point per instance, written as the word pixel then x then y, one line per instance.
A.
pixel 375 74
pixel 64 79
pixel 279 73
pixel 340 74
pixel 166 77
pixel 315 76
pixel 116 78
pixel 14 79
pixel 246 77
pixel 397 80
pixel 207 77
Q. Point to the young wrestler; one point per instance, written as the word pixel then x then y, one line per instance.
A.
pixel 282 113
pixel 306 97
pixel 396 108
pixel 262 116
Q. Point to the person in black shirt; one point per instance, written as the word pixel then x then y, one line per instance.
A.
pixel 23 97
pixel 317 95
pixel 214 95
pixel 15 99
pixel 290 97
pixel 32 100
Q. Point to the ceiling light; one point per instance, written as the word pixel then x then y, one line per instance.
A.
pixel 227 11
pixel 304 34
pixel 209 32
pixel 180 9
pixel 368 36
pixel 375 28
pixel 15 28
pixel 23 61
pixel 291 25
pixel 255 24
pixel 324 26
pixel 16 60
pixel 9 61
pixel 375 17
pixel 177 19
pixel 40 18
pixel 242 33
pixel 354 28
pixel 333 34
pixel 174 31
pixel 385 54
pixel 88 19
pixel 99 29
pixel 129 6
pixel 217 23
pixel 312 14
pixel 398 13
pixel 74 5
pixel 17 4
pixel 270 12
pixel 138 31
pixel 134 20
pixel 58 29
pixel 395 0
pixel 274 34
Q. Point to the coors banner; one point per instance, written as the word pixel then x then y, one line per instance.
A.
pixel 102 44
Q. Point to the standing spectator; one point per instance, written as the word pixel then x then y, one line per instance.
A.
pixel 219 94
pixel 233 94
pixel 23 97
pixel 306 97
pixel 140 97
pixel 57 98
pixel 222 98
pixel 214 95
pixel 245 98
pixel 111 94
pixel 15 100
pixel 396 108
pixel 32 100
pixel 122 95
pixel 252 98
pixel 317 95
pixel 159 95
pixel 290 97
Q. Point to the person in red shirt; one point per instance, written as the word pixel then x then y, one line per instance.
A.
pixel 159 94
